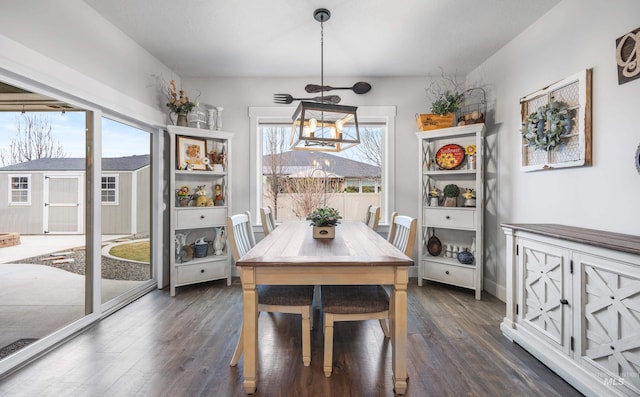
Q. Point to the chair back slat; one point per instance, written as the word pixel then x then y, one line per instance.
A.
pixel 403 233
pixel 240 234
pixel 266 216
pixel 373 217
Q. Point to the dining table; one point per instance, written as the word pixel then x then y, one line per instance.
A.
pixel 357 255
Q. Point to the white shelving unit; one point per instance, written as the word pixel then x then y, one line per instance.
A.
pixel 195 222
pixel 459 227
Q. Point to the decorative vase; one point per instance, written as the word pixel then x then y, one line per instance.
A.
pixel 182 120
pixel 450 201
pixel 465 257
pixel 324 232
pixel 218 242
pixel 219 110
pixel 433 201
pixel 211 118
pixel 184 201
pixel 471 162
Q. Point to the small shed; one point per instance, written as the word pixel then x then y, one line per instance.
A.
pixel 48 196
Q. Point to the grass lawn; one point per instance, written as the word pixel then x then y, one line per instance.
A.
pixel 138 251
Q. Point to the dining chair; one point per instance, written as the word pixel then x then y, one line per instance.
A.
pixel 373 217
pixel 363 302
pixel 402 233
pixel 266 216
pixel 290 299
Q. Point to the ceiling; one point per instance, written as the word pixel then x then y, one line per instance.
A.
pixel 280 38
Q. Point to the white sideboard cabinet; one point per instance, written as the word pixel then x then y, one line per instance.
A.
pixel 573 301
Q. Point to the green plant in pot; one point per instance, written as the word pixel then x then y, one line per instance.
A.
pixel 444 94
pixel 451 193
pixel 324 220
pixel 448 102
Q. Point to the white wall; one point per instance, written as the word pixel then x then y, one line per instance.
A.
pixel 573 36
pixel 235 95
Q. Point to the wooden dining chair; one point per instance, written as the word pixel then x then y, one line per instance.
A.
pixel 373 217
pixel 266 216
pixel 363 302
pixel 291 299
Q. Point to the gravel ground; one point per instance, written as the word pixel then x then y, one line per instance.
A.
pixel 112 269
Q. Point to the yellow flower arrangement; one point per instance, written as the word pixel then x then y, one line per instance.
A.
pixel 470 150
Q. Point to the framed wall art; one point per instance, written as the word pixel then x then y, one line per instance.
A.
pixel 190 153
pixel 556 125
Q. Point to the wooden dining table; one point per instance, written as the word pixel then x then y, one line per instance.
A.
pixel 357 255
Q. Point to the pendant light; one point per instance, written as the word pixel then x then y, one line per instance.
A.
pixel 321 125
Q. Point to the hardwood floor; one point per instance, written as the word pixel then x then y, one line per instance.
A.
pixel 181 346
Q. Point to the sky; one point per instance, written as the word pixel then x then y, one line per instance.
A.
pixel 119 140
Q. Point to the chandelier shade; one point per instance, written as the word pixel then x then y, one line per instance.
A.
pixel 324 127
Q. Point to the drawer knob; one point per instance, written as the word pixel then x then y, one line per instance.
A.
pixel 446 272
pixel 201 216
pixel 201 270
pixel 448 217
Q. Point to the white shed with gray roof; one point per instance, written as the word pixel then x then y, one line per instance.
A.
pixel 47 195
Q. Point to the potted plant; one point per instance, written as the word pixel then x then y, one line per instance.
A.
pixel 179 103
pixel 446 98
pixel 184 196
pixel 324 220
pixel 451 193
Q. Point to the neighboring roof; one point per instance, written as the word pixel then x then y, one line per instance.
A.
pixel 129 163
pixel 300 161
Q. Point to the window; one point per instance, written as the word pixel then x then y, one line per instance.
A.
pixel 294 182
pixel 110 189
pixel 20 189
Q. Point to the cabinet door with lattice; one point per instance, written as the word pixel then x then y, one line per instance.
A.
pixel 609 343
pixel 556 125
pixel 546 290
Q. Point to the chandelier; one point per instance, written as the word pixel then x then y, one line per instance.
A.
pixel 321 124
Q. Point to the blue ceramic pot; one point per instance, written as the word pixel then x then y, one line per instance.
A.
pixel 465 257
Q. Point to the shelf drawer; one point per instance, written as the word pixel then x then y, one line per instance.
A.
pixel 196 217
pixel 455 275
pixel 455 218
pixel 187 274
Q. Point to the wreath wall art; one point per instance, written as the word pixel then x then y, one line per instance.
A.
pixel 556 125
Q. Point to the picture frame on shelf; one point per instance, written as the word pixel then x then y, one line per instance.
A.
pixel 190 152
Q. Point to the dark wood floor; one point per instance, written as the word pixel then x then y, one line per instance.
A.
pixel 163 346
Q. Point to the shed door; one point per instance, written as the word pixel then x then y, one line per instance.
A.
pixel 62 209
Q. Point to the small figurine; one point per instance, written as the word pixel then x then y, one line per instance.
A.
pixel 434 197
pixel 201 196
pixel 218 193
pixel 469 198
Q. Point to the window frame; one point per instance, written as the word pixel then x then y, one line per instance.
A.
pixel 11 189
pixel 366 114
pixel 116 189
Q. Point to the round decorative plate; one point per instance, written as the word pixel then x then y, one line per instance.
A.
pixel 638 159
pixel 449 157
pixel 434 246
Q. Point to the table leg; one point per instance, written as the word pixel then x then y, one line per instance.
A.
pixel 250 335
pixel 398 320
